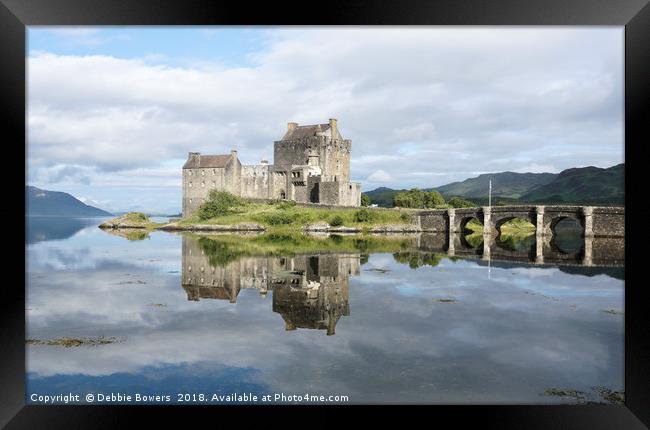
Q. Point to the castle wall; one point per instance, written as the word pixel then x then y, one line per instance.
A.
pixel 340 193
pixel 279 181
pixel 329 193
pixel 288 153
pixel 255 181
pixel 334 156
pixel 299 193
pixel 197 184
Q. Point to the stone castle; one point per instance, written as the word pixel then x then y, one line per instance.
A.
pixel 311 165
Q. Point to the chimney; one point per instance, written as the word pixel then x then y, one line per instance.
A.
pixel 292 126
pixel 193 156
pixel 233 153
pixel 334 128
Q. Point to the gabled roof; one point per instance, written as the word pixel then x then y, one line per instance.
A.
pixel 304 131
pixel 207 161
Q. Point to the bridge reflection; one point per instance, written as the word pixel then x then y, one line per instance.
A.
pixel 572 250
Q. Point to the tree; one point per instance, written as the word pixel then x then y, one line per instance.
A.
pixel 365 200
pixel 433 198
pixel 458 202
pixel 416 198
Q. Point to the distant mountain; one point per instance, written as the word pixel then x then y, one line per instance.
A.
pixel 505 184
pixel 585 185
pixel 57 204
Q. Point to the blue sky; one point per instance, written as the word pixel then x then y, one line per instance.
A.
pixel 113 111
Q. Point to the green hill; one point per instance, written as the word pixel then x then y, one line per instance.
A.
pixel 585 185
pixel 505 184
pixel 382 196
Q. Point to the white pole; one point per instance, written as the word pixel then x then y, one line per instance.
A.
pixel 490 195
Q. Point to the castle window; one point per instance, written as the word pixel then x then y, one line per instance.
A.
pixel 189 172
pixel 190 184
pixel 214 184
pixel 350 186
pixel 202 172
pixel 190 203
pixel 203 183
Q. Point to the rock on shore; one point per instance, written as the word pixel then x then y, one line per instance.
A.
pixel 212 227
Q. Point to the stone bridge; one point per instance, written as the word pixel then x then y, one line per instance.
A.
pixel 595 221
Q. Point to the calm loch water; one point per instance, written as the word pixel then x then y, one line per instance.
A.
pixel 384 320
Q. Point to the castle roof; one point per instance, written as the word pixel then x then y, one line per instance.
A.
pixel 207 161
pixel 301 131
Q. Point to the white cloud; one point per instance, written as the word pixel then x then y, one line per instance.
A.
pixel 380 176
pixel 444 100
pixel 537 168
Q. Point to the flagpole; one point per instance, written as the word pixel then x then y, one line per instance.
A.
pixel 490 195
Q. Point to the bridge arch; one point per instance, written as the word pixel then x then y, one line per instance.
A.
pixel 465 220
pixel 554 221
pixel 498 218
pixel 506 219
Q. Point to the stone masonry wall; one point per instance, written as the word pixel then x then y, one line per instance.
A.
pixel 255 181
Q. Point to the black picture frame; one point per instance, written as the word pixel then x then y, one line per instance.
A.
pixel 15 15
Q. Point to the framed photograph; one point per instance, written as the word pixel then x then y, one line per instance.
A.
pixel 397 210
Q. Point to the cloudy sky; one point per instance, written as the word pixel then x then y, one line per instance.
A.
pixel 113 111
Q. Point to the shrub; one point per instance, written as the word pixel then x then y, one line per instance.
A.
pixel 336 221
pixel 365 200
pixel 137 217
pixel 363 215
pixel 219 203
pixel 405 217
pixel 458 202
pixel 278 218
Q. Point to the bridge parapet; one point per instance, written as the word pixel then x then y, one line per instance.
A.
pixel 596 221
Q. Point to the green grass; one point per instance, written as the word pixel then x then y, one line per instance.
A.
pixel 136 217
pixel 287 217
pixel 222 249
pixel 514 227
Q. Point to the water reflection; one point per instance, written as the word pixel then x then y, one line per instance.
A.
pixel 40 229
pixel 416 319
pixel 309 291
pixel 560 249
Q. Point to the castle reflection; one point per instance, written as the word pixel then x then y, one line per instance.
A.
pixel 309 291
